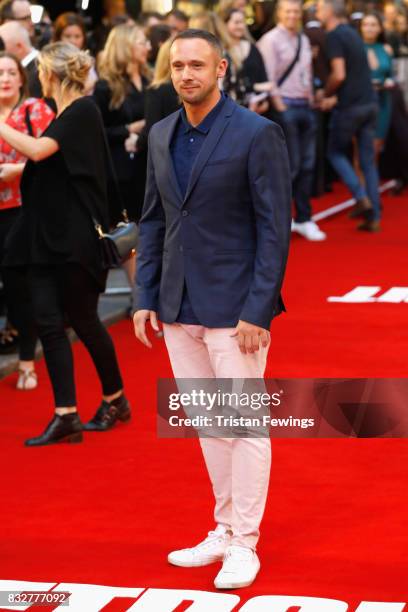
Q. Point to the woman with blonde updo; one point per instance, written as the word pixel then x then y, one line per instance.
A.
pixel 63 190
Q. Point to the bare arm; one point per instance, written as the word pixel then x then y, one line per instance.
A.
pixel 35 149
pixel 9 172
pixel 336 77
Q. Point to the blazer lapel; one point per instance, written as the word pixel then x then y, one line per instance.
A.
pixel 209 145
pixel 168 135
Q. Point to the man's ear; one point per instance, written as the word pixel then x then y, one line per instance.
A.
pixel 222 68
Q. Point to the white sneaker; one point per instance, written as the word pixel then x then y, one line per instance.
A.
pixel 27 380
pixel 208 551
pixel 309 230
pixel 239 569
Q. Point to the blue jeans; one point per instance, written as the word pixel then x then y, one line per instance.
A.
pixel 300 128
pixel 359 122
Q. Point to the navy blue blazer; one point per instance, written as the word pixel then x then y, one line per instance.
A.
pixel 228 239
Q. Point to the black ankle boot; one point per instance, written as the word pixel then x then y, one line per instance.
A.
pixel 66 428
pixel 108 413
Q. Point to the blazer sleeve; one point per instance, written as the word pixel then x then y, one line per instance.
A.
pixel 151 239
pixel 270 185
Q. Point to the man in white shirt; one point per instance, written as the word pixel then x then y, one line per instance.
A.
pixel 17 41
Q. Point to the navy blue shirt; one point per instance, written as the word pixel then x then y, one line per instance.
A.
pixel 346 43
pixel 184 148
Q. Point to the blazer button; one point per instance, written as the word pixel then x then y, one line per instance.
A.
pixel 185 213
pixel 181 249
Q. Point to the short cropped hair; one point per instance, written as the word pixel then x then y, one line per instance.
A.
pixel 203 35
pixel 338 7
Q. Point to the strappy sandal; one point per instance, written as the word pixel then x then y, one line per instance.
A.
pixel 27 380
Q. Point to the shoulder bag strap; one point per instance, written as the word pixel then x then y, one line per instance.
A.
pixel 292 64
pixel 28 121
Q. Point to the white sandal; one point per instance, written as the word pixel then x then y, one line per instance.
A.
pixel 27 380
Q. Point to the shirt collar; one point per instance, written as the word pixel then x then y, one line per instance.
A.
pixel 206 124
pixel 29 58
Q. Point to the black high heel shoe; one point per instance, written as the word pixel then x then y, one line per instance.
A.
pixel 66 428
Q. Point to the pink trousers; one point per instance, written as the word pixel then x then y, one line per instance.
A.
pixel 238 468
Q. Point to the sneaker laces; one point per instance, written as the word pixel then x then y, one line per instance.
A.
pixel 212 538
pixel 234 556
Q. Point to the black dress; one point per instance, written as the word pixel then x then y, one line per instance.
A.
pixel 61 193
pixel 130 168
pixel 160 102
pixel 239 85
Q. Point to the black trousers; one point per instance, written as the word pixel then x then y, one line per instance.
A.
pixel 70 290
pixel 16 292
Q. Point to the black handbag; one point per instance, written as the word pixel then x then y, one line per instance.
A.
pixel 119 244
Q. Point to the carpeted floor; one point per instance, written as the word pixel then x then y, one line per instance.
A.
pixel 108 511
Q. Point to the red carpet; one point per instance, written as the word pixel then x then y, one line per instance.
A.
pixel 109 510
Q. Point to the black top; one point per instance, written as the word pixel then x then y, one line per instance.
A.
pixel 239 85
pixel 159 103
pixel 62 192
pixel 115 121
pixel 33 81
pixel 345 42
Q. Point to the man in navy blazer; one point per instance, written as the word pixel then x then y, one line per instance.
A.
pixel 214 239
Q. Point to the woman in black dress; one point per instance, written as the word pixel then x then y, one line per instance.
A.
pixel 63 187
pixel 240 83
pixel 120 95
pixel 161 97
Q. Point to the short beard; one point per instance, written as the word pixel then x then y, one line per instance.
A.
pixel 203 96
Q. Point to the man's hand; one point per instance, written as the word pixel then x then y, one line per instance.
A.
pixel 250 337
pixel 279 105
pixel 318 97
pixel 139 321
pixel 259 107
pixel 327 104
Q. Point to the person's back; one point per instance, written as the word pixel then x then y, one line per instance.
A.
pixel 355 116
pixel 356 89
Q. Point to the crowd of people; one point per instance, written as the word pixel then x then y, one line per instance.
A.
pixel 323 73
